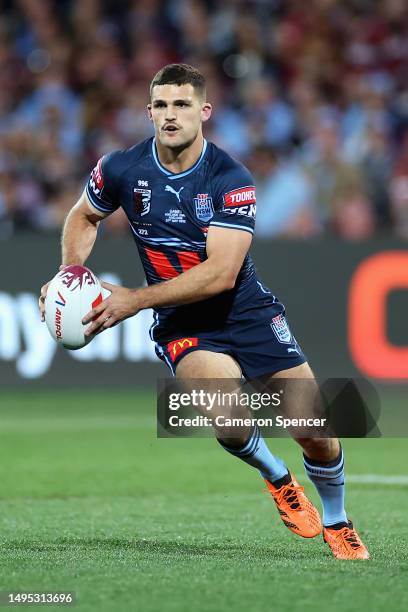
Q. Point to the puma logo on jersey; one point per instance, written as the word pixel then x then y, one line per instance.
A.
pixel 176 193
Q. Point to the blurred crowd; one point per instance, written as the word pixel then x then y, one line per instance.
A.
pixel 312 96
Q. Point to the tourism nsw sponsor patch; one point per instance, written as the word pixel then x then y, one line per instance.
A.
pixel 241 201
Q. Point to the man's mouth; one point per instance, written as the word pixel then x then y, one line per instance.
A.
pixel 170 128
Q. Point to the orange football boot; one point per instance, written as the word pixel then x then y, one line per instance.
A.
pixel 345 542
pixel 295 509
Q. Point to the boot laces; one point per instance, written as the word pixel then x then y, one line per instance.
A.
pixel 289 494
pixel 349 535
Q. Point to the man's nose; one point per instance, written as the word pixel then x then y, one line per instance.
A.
pixel 170 113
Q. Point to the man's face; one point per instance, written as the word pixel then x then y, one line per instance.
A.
pixel 177 113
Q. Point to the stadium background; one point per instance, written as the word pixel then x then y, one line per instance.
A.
pixel 313 98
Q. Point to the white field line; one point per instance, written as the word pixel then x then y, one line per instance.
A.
pixel 44 425
pixel 370 479
pixel 377 479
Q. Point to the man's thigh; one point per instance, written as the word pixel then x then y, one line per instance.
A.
pixel 300 396
pixel 302 399
pixel 219 374
pixel 302 371
pixel 299 383
pixel 208 364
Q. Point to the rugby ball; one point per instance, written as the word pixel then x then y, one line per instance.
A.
pixel 71 294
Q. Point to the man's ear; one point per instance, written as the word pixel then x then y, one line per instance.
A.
pixel 149 112
pixel 206 111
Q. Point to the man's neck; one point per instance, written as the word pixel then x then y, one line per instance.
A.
pixel 180 160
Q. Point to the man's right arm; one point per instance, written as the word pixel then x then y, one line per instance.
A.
pixel 78 238
pixel 79 233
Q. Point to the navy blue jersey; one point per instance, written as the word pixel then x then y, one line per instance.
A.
pixel 169 215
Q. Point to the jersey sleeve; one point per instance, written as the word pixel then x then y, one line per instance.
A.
pixel 235 200
pixel 101 188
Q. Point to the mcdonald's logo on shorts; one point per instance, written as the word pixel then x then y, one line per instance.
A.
pixel 176 347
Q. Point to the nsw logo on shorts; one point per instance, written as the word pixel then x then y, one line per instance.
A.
pixel 281 329
pixel 176 347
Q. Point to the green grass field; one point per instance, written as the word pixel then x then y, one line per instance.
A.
pixel 92 501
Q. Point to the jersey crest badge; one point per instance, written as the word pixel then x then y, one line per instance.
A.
pixel 203 207
pixel 141 201
pixel 281 329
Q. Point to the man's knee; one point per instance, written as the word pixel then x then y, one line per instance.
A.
pixel 232 442
pixel 320 449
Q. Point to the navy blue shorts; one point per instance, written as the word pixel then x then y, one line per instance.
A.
pixel 258 338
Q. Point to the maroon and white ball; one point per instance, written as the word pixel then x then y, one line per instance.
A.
pixel 71 294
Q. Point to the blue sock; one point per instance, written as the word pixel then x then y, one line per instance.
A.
pixel 256 453
pixel 328 478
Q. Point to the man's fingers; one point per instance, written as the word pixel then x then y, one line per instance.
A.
pixel 42 309
pixel 108 286
pixel 100 324
pixel 107 323
pixel 41 300
pixel 94 313
pixel 94 327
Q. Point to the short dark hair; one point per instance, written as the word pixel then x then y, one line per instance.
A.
pixel 180 74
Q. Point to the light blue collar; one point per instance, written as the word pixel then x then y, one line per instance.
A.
pixel 170 174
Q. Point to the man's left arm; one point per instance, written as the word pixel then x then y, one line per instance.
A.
pixel 226 250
